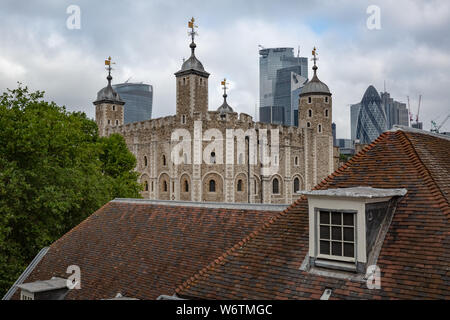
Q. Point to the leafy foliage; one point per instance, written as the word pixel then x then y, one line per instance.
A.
pixel 54 172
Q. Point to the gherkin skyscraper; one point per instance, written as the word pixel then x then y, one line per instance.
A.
pixel 372 118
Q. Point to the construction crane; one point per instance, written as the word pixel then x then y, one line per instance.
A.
pixel 409 111
pixel 418 109
pixel 435 128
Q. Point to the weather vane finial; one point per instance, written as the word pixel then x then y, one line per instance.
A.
pixel 314 53
pixel 108 63
pixel 224 84
pixel 192 26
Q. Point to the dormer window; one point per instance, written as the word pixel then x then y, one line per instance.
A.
pixel 345 225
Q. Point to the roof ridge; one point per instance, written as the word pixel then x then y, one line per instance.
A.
pixel 422 170
pixel 187 283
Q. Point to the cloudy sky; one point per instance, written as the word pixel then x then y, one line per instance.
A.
pixel 148 40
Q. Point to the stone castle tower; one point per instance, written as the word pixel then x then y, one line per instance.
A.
pixel 315 115
pixel 192 87
pixel 108 106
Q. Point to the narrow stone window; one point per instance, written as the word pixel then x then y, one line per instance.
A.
pixel 213 157
pixel 326 99
pixel 145 161
pixel 239 185
pixel 212 186
pixel 296 185
pixel 319 128
pixel 146 186
pixel 308 124
pixel 310 113
pixel 164 160
pixel 117 122
pixel 275 186
pixel 296 161
pixel 186 186
pixel 309 100
pixel 165 186
pixel 326 113
pixel 114 108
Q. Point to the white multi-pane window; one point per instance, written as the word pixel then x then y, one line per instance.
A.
pixel 337 235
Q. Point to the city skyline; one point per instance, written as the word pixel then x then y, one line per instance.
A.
pixel 41 52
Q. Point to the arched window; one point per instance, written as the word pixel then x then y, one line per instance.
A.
pixel 146 186
pixel 310 113
pixel 212 186
pixel 275 186
pixel 117 122
pixel 114 108
pixel 164 160
pixel 296 161
pixel 186 186
pixel 213 157
pixel 165 186
pixel 239 185
pixel 309 100
pixel 296 185
pixel 145 161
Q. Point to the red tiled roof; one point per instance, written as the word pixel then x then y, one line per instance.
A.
pixel 415 255
pixel 144 250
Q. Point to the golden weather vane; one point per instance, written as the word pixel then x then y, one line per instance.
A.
pixel 314 53
pixel 192 26
pixel 108 63
pixel 224 84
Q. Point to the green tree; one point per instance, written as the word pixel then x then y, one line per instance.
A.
pixel 54 172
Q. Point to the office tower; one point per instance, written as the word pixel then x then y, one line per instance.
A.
pixel 354 113
pixel 138 98
pixel 396 112
pixel 282 75
pixel 371 118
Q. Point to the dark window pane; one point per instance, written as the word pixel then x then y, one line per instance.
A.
pixel 324 217
pixel 348 219
pixel 336 218
pixel 348 234
pixel 324 247
pixel 324 232
pixel 349 250
pixel 336 248
pixel 336 233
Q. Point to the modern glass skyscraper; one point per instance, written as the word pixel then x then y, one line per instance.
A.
pixel 371 118
pixel 138 99
pixel 281 76
pixel 394 112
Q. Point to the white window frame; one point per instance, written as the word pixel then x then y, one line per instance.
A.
pixel 26 295
pixel 317 240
